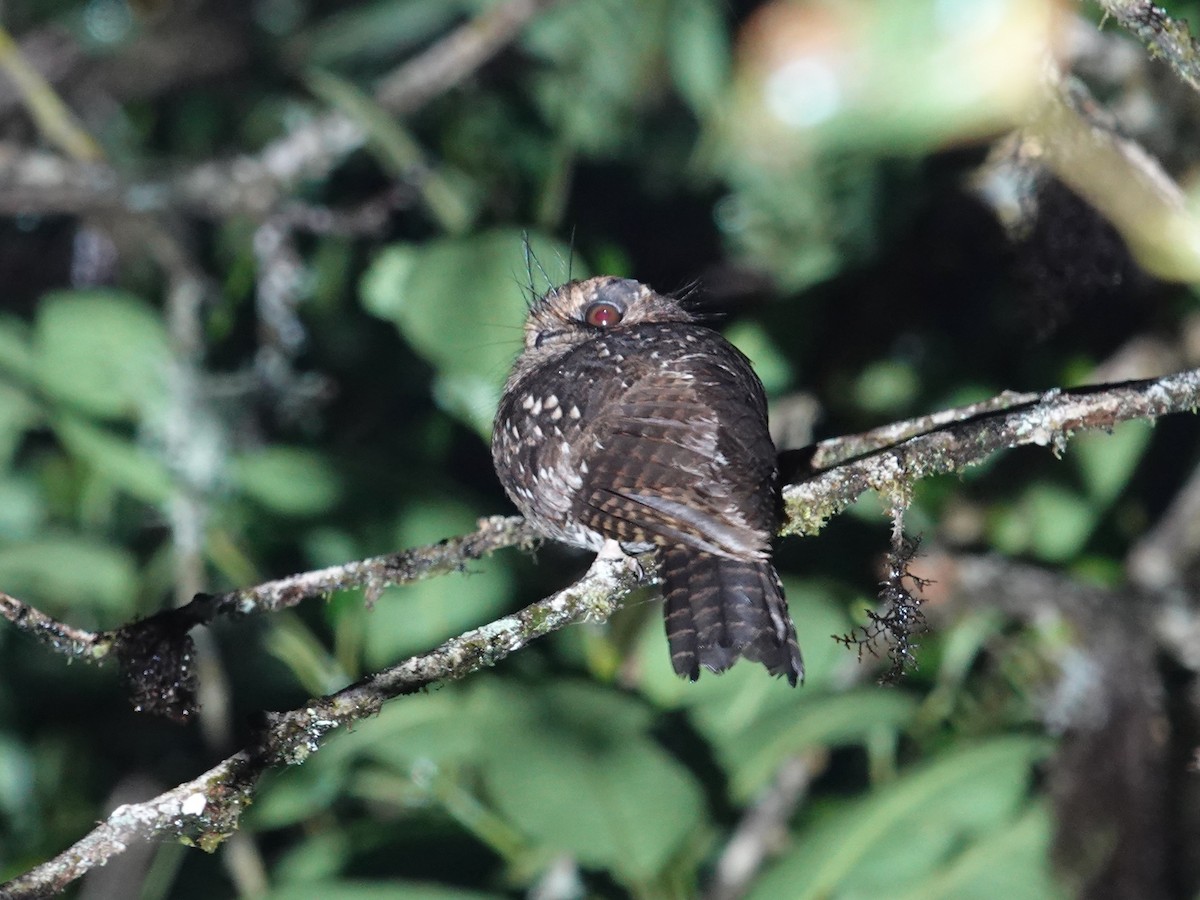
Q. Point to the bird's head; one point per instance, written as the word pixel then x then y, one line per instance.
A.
pixel 582 310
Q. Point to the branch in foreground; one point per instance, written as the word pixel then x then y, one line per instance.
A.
pixel 209 806
pixel 1048 422
pixel 155 653
pixel 206 810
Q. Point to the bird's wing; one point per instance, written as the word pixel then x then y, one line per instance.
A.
pixel 677 452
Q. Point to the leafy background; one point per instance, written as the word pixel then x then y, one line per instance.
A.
pixel 848 256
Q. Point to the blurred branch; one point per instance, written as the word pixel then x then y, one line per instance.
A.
pixel 53 117
pixel 1166 38
pixel 762 832
pixel 255 185
pixel 205 811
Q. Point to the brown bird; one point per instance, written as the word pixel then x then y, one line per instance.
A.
pixel 624 420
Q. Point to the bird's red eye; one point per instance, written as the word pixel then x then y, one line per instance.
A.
pixel 602 315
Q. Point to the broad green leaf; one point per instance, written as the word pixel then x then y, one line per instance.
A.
pixel 772 367
pixel 104 352
pixel 293 795
pixel 574 771
pixel 1014 861
pixel 603 58
pixel 16 352
pixel 906 830
pixel 22 507
pixel 460 304
pixel 886 386
pixel 18 413
pixel 751 755
pixel 288 480
pixel 115 457
pixel 1107 461
pixel 72 572
pixel 317 858
pixel 1048 521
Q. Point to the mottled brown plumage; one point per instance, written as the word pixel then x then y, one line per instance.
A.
pixel 624 419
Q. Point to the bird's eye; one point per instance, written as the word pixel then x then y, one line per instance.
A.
pixel 602 314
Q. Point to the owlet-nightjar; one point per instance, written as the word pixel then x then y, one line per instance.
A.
pixel 623 419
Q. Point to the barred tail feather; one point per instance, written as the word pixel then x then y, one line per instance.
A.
pixel 718 609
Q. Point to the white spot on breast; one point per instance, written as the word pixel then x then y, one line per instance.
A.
pixel 551 402
pixel 527 403
pixel 574 413
pixel 537 432
pixel 556 414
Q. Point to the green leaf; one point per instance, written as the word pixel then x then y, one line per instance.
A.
pixel 22 507
pixel 116 458
pixel 904 831
pixel 103 351
pixel 1107 461
pixel 459 303
pixel 16 352
pixel 1014 861
pixel 572 768
pixel 752 755
pixel 72 572
pixel 18 414
pixel 288 480
pixel 772 367
pixel 698 53
pixel 1049 521
pixel 603 60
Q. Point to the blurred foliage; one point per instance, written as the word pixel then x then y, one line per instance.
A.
pixel 819 199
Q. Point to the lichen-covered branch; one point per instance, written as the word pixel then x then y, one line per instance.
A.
pixel 1168 39
pixel 156 653
pixel 205 811
pixel 1049 421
